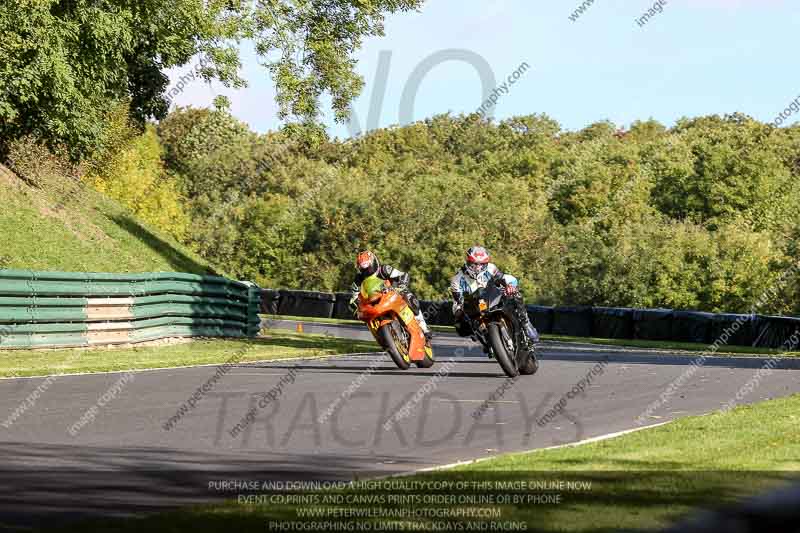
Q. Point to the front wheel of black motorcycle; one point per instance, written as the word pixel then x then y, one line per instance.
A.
pixel 500 339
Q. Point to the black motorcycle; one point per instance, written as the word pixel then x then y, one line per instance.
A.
pixel 495 323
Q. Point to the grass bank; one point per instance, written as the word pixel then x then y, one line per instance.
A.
pixel 80 230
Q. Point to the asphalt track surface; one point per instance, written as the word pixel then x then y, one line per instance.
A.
pixel 386 421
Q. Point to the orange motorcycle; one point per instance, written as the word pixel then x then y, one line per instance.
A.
pixel 393 324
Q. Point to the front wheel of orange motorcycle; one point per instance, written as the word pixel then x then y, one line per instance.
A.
pixel 427 361
pixel 396 340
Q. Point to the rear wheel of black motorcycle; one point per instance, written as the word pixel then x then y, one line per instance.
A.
pixel 395 341
pixel 498 338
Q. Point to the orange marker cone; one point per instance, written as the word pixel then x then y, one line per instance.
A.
pixel 299 327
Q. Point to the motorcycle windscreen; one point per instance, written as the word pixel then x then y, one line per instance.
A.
pixel 472 303
pixel 371 287
pixel 493 295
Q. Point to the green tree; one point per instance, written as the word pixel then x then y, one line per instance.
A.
pixel 135 177
pixel 314 41
pixel 597 217
pixel 733 171
pixel 66 62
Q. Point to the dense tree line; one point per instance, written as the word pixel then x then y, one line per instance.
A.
pixel 66 64
pixel 703 215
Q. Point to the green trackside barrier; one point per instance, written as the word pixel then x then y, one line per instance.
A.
pixel 44 341
pixel 183 321
pixel 14 315
pixel 30 328
pixel 114 289
pixel 253 327
pixel 198 310
pixel 61 309
pixel 184 331
pixel 33 301
pixel 184 299
pixel 14 286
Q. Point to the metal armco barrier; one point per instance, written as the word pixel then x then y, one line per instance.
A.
pixel 578 321
pixel 64 309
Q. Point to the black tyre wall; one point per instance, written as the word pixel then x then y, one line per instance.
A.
pixel 774 331
pixel 612 322
pixel 575 321
pixel 652 324
pixel 724 326
pixel 306 303
pixel 341 306
pixel 541 317
pixel 691 326
pixel 437 312
pixel 270 301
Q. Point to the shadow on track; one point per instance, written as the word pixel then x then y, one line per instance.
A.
pixel 387 370
pixel 106 481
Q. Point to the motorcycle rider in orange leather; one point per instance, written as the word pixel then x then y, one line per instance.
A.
pixel 367 264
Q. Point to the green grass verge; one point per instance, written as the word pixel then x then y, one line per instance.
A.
pixel 625 343
pixel 276 344
pixel 87 232
pixel 641 480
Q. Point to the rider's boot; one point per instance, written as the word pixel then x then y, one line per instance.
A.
pixel 424 325
pixel 531 335
pixel 488 351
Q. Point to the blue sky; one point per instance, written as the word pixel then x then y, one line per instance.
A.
pixel 696 57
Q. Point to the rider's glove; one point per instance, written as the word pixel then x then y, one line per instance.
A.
pixel 511 290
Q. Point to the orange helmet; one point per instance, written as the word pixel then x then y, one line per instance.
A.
pixel 367 263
